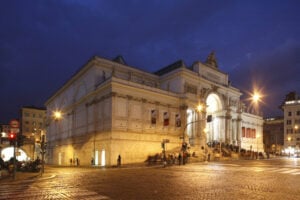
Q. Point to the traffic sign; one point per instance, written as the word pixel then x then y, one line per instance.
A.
pixel 14 123
pixel 14 126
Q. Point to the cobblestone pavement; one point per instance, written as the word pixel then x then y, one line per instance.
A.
pixel 254 179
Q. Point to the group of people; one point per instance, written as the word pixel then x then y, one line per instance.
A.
pixel 74 162
pixel 170 159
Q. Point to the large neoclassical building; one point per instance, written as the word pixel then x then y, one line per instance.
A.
pixel 110 109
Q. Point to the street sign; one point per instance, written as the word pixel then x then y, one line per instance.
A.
pixel 166 140
pixel 14 123
pixel 14 126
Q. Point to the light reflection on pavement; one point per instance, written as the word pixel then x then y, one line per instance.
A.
pixel 253 179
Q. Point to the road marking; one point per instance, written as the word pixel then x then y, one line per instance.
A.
pixel 289 171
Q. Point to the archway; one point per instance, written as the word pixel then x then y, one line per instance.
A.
pixel 214 123
pixel 8 153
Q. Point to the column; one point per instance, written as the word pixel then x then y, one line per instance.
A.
pixel 228 118
pixel 238 131
pixel 128 112
pixel 183 109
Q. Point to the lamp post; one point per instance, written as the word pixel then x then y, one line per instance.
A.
pixel 56 115
pixel 199 109
pixel 289 143
pixel 258 136
pixel 256 97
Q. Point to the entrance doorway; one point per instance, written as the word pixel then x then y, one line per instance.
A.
pixel 214 127
pixel 103 158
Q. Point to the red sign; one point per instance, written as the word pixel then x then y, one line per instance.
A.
pixel 14 123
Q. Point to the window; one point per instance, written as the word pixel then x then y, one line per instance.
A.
pixel 166 119
pixel 298 112
pixel 248 133
pixel 289 113
pixel 190 88
pixel 153 117
pixel 243 132
pixel 289 130
pixel 177 120
pixel 33 115
pixel 253 134
pixel 288 122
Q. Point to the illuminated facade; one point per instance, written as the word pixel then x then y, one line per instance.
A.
pixel 291 108
pixel 111 109
pixel 32 127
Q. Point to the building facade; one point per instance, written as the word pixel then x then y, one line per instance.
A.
pixel 32 127
pixel 111 109
pixel 291 109
pixel 273 135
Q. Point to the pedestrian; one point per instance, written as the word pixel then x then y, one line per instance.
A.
pixel 77 162
pixel 71 161
pixel 92 161
pixel 179 159
pixel 119 161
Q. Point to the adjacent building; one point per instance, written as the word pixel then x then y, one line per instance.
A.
pixel 273 136
pixel 32 127
pixel 110 108
pixel 291 109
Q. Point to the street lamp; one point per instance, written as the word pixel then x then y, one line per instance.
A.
pixel 199 109
pixel 256 97
pixel 289 143
pixel 258 136
pixel 56 115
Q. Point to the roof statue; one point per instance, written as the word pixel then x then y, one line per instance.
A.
pixel 211 60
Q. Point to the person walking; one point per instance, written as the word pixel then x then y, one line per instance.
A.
pixel 119 161
pixel 179 159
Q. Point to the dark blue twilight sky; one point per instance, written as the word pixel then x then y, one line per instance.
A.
pixel 42 43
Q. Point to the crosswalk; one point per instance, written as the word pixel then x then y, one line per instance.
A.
pixel 289 170
pixel 25 190
pixel 284 170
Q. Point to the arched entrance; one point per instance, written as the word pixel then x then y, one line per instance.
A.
pixel 8 153
pixel 215 130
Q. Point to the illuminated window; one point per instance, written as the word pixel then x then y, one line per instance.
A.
pixel 166 119
pixel 153 117
pixel 243 132
pixel 248 133
pixel 177 120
